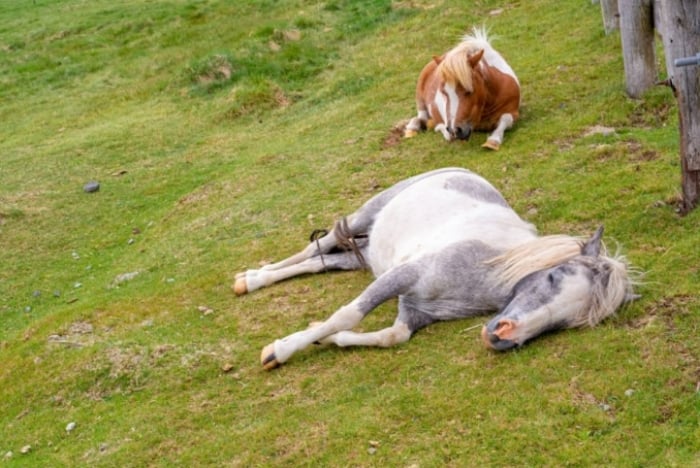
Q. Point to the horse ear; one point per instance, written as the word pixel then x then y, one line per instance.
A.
pixel 437 59
pixel 475 57
pixel 592 246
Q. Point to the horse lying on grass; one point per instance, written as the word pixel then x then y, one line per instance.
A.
pixel 449 246
pixel 471 87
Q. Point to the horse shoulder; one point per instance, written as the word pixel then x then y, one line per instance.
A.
pixel 503 97
pixel 456 282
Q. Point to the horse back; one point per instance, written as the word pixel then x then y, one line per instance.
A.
pixel 447 207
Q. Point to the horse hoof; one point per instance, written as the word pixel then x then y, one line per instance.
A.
pixel 491 144
pixel 240 287
pixel 430 124
pixel 410 133
pixel 268 358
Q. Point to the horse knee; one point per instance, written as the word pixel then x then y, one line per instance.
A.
pixel 399 333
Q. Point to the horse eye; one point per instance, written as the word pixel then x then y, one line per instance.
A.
pixel 550 278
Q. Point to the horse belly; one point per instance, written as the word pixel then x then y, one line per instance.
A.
pixel 425 218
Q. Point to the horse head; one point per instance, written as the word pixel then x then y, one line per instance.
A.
pixel 580 291
pixel 464 91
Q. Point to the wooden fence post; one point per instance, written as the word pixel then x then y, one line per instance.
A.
pixel 611 16
pixel 680 31
pixel 637 34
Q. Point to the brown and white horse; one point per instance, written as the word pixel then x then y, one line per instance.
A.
pixel 471 87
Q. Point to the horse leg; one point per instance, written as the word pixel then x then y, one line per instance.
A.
pixel 406 324
pixel 496 138
pixel 256 279
pixel 442 128
pixel 390 336
pixel 358 223
pixel 250 280
pixel 391 284
pixel 417 123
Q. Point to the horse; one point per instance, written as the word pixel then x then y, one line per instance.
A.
pixel 449 246
pixel 471 87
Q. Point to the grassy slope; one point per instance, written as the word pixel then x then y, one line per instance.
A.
pixel 201 180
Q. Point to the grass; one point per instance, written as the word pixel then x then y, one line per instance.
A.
pixel 223 133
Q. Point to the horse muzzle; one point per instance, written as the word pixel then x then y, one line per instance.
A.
pixel 494 335
pixel 462 133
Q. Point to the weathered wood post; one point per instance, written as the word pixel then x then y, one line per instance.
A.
pixel 611 16
pixel 637 34
pixel 680 32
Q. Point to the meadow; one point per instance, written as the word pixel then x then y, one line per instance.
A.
pixel 222 134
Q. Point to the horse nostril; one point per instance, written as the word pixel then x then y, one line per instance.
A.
pixel 463 133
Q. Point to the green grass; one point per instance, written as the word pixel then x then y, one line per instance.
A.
pixel 222 133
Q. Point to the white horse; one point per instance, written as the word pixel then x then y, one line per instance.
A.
pixel 449 246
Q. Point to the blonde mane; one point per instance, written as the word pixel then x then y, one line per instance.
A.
pixel 548 251
pixel 454 67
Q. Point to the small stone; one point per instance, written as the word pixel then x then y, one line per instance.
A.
pixel 28 309
pixel 75 255
pixel 125 277
pixel 36 293
pixel 372 450
pixel 78 285
pixel 629 392
pixel 205 310
pixel 70 426
pixel 57 293
pixel 170 280
pixel 228 367
pixel 8 454
pixel 605 407
pixel 91 187
pixel 103 447
pixel 26 449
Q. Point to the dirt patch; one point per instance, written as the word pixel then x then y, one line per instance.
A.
pixel 77 335
pixel 395 135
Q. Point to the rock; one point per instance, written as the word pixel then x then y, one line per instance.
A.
pixel 70 426
pixel 125 277
pixel 26 449
pixel 91 187
pixel 205 310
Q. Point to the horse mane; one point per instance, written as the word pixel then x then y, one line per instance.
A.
pixel 613 288
pixel 454 67
pixel 537 254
